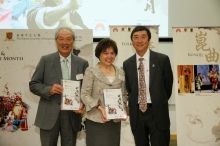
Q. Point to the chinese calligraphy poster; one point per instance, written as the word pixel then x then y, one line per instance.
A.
pixel 196 74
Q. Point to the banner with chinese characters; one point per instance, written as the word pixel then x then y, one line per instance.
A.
pixel 121 35
pixel 20 52
pixel 197 76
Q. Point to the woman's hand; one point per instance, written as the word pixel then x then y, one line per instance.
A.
pixel 126 116
pixel 103 115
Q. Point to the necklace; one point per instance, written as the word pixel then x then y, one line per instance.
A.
pixel 107 70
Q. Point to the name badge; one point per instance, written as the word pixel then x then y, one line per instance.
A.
pixel 121 77
pixel 79 77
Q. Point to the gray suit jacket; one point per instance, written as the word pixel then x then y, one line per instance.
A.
pixel 92 90
pixel 160 87
pixel 48 73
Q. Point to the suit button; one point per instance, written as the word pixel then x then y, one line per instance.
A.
pixel 58 103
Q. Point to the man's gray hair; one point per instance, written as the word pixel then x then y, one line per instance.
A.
pixel 62 28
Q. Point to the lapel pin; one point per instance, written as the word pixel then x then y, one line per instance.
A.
pixel 153 65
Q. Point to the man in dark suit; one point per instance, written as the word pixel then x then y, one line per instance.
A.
pixel 46 83
pixel 148 99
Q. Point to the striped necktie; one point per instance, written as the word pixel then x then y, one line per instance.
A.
pixel 142 87
pixel 65 69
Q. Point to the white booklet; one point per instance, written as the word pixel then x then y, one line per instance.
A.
pixel 71 95
pixel 114 104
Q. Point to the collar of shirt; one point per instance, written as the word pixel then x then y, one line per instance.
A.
pixel 68 59
pixel 146 58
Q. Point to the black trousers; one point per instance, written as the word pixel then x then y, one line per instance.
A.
pixel 147 133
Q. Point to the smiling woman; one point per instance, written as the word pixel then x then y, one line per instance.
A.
pixel 104 75
pixel 106 52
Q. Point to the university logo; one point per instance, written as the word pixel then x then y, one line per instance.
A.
pixel 9 36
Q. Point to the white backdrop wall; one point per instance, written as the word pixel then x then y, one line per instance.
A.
pixel 193 13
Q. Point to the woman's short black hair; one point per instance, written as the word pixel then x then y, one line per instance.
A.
pixel 105 44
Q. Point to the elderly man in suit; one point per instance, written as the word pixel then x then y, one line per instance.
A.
pixel 149 81
pixel 46 83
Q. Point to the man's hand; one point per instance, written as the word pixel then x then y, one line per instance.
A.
pixel 79 111
pixel 56 89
